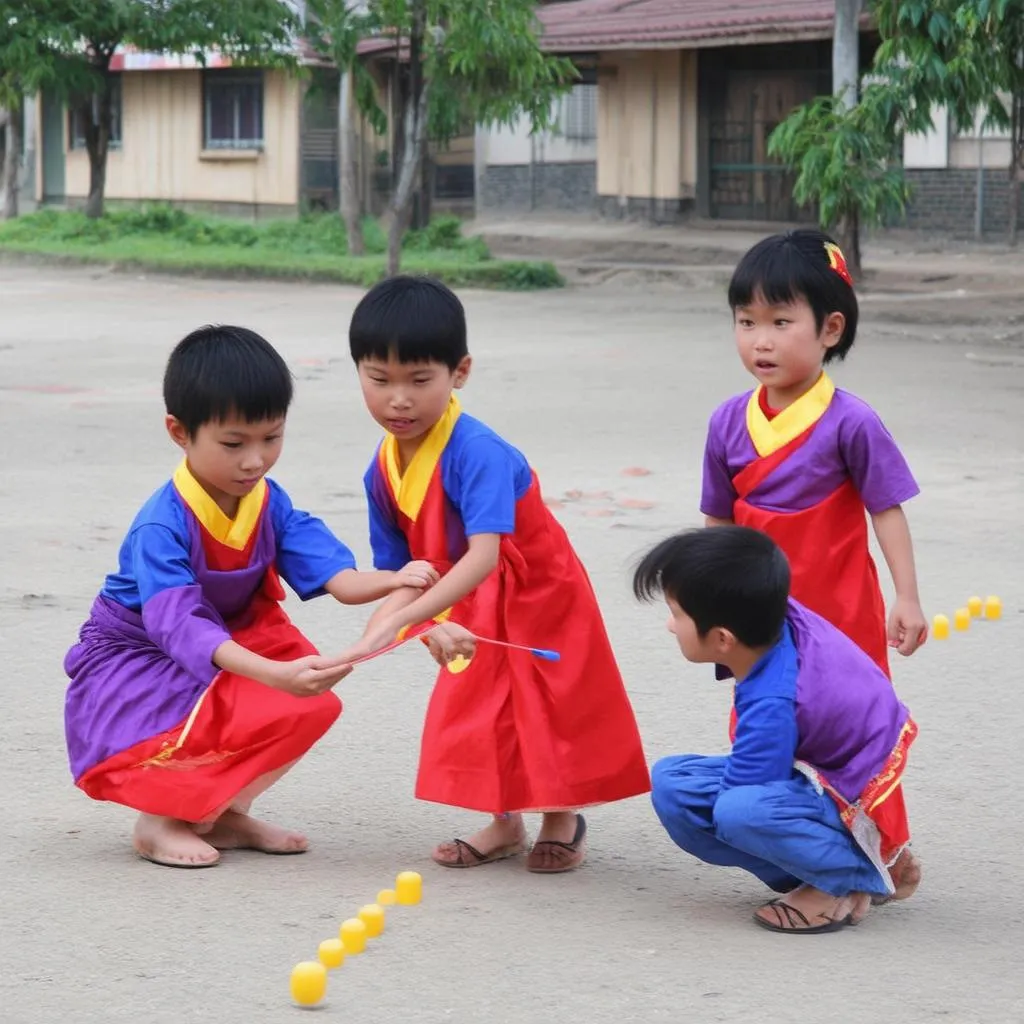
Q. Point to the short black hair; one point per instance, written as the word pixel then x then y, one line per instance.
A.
pixel 221 371
pixel 794 265
pixel 731 577
pixel 415 319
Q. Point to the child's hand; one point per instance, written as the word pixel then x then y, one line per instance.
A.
pixel 421 575
pixel 908 628
pixel 450 641
pixel 309 676
pixel 378 634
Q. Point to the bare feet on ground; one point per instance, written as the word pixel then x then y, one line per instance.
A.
pixel 172 843
pixel 235 831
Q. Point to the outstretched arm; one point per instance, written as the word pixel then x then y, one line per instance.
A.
pixel 464 577
pixel 352 587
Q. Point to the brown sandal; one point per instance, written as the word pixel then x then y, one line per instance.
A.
pixel 470 857
pixel 577 848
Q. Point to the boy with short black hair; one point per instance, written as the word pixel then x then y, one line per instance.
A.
pixel 821 739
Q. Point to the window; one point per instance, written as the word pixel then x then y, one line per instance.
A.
pixel 76 117
pixel 577 119
pixel 233 109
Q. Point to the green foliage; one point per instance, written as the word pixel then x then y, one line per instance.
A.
pixel 962 54
pixel 482 59
pixel 314 247
pixel 845 158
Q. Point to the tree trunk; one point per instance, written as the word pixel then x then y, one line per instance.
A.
pixel 12 163
pixel 414 140
pixel 846 88
pixel 1016 167
pixel 96 114
pixel 1014 202
pixel 27 185
pixel 348 186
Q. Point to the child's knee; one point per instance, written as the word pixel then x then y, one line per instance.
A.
pixel 738 812
pixel 669 778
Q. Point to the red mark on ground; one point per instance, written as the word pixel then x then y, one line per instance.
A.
pixel 636 503
pixel 596 513
pixel 51 389
pixel 636 471
pixel 554 504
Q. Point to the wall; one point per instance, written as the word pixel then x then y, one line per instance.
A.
pixel 647 133
pixel 161 157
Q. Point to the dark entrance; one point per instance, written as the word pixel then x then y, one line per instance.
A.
pixel 744 93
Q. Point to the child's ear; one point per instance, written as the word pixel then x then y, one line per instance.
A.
pixel 725 641
pixel 832 332
pixel 176 430
pixel 461 374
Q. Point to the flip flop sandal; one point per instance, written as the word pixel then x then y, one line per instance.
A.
pixel 576 848
pixel 793 922
pixel 479 859
pixel 178 864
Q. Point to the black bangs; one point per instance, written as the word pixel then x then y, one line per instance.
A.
pixel 223 371
pixel 413 319
pixel 789 267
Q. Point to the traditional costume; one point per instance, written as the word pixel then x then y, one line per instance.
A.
pixel 810 792
pixel 151 722
pixel 511 732
pixel 805 476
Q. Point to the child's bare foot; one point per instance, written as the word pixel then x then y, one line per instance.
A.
pixel 172 843
pixel 810 911
pixel 561 844
pixel 502 838
pixel 906 877
pixel 234 831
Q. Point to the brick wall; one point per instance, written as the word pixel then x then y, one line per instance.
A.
pixel 554 186
pixel 944 201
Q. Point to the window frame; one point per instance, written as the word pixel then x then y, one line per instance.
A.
pixel 232 81
pixel 76 141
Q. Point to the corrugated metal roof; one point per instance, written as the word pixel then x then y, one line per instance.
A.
pixel 645 24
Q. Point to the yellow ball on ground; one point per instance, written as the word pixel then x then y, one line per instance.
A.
pixel 993 607
pixel 409 888
pixel 386 898
pixel 353 936
pixel 308 982
pixel 940 627
pixel 974 606
pixel 962 619
pixel 372 915
pixel 331 953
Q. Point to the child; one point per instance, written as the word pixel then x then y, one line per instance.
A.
pixel 805 800
pixel 191 692
pixel 801 459
pixel 510 733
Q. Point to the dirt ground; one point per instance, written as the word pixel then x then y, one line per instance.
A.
pixel 589 381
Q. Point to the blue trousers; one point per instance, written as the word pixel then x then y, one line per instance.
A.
pixel 785 833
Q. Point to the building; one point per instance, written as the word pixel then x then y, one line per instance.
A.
pixel 676 104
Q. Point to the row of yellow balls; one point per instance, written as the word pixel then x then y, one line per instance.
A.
pixel 309 978
pixel 992 608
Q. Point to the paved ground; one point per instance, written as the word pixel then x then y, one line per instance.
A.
pixel 589 382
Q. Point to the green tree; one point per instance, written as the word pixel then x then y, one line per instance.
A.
pixel 67 46
pixel 965 55
pixel 476 62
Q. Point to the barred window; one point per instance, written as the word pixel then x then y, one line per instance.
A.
pixel 578 117
pixel 232 109
pixel 77 116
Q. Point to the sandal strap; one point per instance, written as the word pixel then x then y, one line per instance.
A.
pixel 572 847
pixel 461 844
pixel 786 914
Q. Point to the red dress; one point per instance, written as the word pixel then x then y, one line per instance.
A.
pixel 513 732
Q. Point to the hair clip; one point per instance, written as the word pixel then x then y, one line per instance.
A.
pixel 837 261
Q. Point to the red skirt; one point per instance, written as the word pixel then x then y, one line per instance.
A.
pixel 238 731
pixel 516 733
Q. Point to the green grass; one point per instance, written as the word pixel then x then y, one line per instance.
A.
pixel 310 248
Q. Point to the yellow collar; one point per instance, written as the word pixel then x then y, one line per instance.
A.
pixel 234 533
pixel 769 435
pixel 410 487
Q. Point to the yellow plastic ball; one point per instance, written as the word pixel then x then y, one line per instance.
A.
pixel 386 898
pixel 372 915
pixel 309 982
pixel 331 953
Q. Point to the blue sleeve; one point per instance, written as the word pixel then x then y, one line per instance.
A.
pixel 765 746
pixel 387 542
pixel 308 555
pixel 176 615
pixel 487 496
